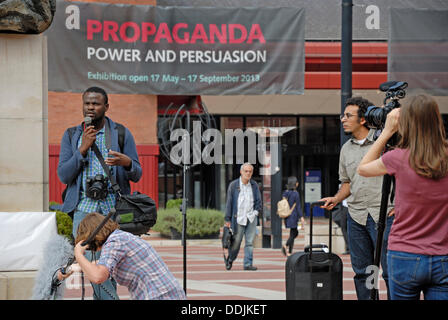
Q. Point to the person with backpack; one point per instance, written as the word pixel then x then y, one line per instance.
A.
pixel 291 222
pixel 88 189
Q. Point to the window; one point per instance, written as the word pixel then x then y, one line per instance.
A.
pixel 231 123
pixel 311 130
pixel 332 130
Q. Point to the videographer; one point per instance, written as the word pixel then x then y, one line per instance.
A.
pixel 418 242
pixel 363 196
pixel 88 188
pixel 132 261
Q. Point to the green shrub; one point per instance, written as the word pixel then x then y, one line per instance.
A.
pixel 166 218
pixel 174 203
pixel 200 222
pixel 64 223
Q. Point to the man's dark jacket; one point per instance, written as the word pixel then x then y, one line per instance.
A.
pixel 232 201
pixel 71 164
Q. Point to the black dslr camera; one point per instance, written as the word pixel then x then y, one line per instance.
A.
pixel 97 187
pixel 376 116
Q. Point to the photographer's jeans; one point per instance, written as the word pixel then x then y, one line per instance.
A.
pixel 108 289
pixel 249 231
pixel 362 242
pixel 410 274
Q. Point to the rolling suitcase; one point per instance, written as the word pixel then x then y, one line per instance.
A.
pixel 316 273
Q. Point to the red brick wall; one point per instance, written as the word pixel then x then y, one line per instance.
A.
pixel 137 112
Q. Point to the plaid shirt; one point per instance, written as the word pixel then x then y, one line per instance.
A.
pixel 134 263
pixel 92 169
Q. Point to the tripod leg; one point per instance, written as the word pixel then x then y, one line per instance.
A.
pixel 186 179
pixel 385 191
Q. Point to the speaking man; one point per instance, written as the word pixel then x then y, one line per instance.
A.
pixel 80 169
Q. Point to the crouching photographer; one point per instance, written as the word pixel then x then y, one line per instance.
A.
pixel 417 255
pixel 130 260
pixel 88 188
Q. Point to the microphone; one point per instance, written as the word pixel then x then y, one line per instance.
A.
pixel 87 121
pixel 385 86
pixel 57 253
pixel 393 85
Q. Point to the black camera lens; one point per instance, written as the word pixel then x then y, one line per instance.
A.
pixel 376 116
pixel 97 187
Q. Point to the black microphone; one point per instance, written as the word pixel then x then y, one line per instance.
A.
pixel 87 121
pixel 385 86
pixel 393 85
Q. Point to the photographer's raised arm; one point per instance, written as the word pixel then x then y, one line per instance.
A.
pixel 372 165
pixel 94 272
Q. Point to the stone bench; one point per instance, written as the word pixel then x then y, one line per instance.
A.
pixel 17 285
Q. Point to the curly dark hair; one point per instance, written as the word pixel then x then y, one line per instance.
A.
pixel 362 103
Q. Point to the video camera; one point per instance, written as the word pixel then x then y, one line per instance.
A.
pixel 376 116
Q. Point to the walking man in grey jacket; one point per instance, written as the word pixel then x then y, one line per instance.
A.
pixel 242 208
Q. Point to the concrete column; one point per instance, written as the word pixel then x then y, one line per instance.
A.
pixel 23 123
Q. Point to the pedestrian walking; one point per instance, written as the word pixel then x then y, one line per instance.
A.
pixel 291 222
pixel 243 206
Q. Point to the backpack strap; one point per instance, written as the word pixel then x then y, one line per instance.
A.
pixel 293 206
pixel 121 132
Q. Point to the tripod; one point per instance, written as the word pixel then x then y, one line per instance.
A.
pixel 181 119
pixel 186 186
pixel 388 180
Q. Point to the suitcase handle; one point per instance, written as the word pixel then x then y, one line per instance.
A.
pixel 317 246
pixel 312 205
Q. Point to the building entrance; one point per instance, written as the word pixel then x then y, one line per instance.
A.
pixel 311 143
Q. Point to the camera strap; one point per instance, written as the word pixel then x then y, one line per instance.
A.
pixel 107 137
pixel 115 186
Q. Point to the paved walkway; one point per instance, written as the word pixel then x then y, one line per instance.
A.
pixel 208 279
